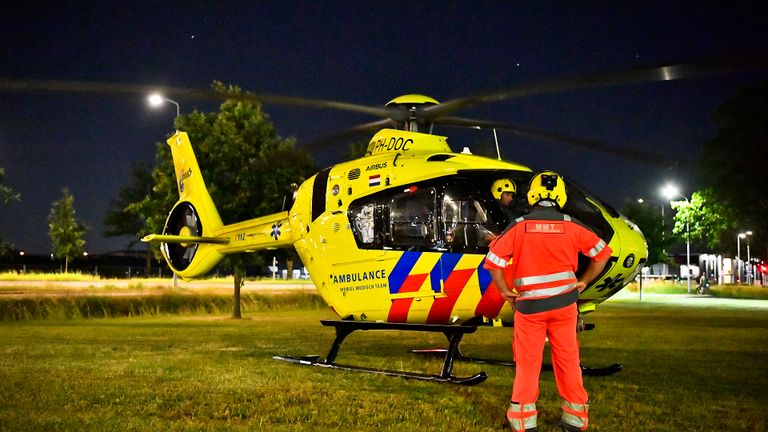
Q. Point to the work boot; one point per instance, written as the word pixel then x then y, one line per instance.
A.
pixel 522 417
pixel 575 417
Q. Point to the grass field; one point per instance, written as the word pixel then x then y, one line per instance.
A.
pixel 685 369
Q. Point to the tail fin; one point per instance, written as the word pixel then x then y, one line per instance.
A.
pixel 189 181
pixel 189 241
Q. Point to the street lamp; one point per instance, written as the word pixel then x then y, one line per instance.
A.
pixel 738 245
pixel 748 272
pixel 670 191
pixel 749 260
pixel 156 99
pixel 738 254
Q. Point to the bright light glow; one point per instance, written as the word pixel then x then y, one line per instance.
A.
pixel 85 253
pixel 640 200
pixel 742 235
pixel 749 233
pixel 670 191
pixel 155 99
pixel 21 253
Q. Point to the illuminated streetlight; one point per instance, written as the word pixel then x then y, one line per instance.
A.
pixel 738 245
pixel 670 191
pixel 744 235
pixel 156 99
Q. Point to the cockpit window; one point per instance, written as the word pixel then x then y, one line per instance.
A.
pixel 412 218
pixel 579 207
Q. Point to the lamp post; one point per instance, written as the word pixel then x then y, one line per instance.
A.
pixel 670 191
pixel 664 267
pixel 749 260
pixel 748 270
pixel 156 99
pixel 738 253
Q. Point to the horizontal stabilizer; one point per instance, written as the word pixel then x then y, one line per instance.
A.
pixel 161 238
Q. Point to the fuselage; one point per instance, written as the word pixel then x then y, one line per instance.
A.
pixel 401 234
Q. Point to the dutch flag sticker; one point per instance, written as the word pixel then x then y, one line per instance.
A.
pixel 374 180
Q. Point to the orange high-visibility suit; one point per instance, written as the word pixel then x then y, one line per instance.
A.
pixel 544 247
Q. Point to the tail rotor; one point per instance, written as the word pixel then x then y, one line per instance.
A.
pixel 182 221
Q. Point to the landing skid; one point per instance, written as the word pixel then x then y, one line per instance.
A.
pixel 344 328
pixel 586 371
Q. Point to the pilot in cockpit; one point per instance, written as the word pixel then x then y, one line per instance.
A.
pixel 503 190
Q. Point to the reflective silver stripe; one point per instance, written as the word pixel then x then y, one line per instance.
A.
pixel 575 415
pixel 496 260
pixel 566 218
pixel 547 292
pixel 530 280
pixel 520 219
pixel 526 411
pixel 596 250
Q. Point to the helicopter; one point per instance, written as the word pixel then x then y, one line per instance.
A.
pixel 391 239
pixel 378 234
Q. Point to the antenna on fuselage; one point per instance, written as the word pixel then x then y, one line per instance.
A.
pixel 496 139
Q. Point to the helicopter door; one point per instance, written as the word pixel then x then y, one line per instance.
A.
pixel 412 229
pixel 466 225
pixel 412 219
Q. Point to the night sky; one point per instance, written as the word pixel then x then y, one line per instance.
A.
pixel 361 52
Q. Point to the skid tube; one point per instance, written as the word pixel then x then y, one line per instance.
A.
pixel 585 371
pixel 454 334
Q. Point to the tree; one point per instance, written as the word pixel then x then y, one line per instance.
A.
pixel 709 219
pixel 355 150
pixel 247 167
pixel 6 195
pixel 123 218
pixel 650 222
pixel 66 231
pixel 733 165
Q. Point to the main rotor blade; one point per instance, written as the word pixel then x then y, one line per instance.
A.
pixel 365 128
pixel 97 88
pixel 642 155
pixel 605 79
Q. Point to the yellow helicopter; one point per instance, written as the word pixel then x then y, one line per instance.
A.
pixel 397 238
